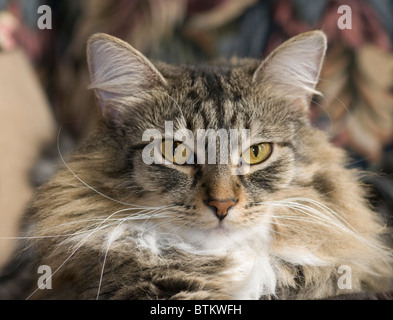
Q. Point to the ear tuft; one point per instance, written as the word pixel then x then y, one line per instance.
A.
pixel 293 68
pixel 118 71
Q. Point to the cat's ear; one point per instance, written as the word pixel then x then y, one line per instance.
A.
pixel 292 70
pixel 118 71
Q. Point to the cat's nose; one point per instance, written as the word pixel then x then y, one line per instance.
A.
pixel 221 207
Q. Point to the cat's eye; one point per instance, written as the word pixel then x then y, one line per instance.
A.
pixel 176 152
pixel 257 153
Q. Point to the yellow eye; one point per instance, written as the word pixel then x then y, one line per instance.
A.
pixel 175 152
pixel 257 153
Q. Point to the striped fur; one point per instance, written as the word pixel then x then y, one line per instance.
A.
pixel 112 227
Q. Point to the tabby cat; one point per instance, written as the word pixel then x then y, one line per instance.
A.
pixel 282 219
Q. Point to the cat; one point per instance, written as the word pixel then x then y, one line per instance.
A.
pixel 290 222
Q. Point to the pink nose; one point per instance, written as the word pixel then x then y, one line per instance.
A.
pixel 221 207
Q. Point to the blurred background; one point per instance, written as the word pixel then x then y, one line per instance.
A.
pixel 43 74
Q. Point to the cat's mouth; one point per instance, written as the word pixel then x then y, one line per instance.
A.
pixel 220 227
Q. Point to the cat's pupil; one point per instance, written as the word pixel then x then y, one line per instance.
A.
pixel 174 148
pixel 255 151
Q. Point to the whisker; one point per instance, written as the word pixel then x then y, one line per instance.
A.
pixel 136 216
pixel 327 217
pixel 110 240
pixel 86 184
pixel 80 243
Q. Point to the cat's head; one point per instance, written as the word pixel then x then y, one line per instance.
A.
pixel 154 117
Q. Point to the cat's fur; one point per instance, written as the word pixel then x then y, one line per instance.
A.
pixel 112 227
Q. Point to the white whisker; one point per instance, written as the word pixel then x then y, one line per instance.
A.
pixel 86 184
pixel 80 243
pixel 110 241
pixel 325 216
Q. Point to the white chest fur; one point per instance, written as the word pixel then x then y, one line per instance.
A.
pixel 251 272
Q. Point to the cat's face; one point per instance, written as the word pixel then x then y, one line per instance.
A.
pixel 218 186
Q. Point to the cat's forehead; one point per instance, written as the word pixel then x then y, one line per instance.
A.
pixel 211 81
pixel 214 96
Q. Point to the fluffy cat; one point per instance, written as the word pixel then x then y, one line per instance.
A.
pixel 111 226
